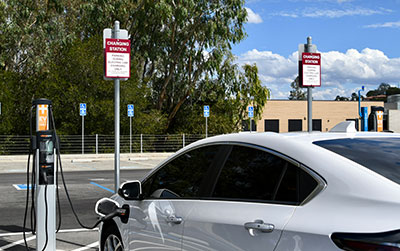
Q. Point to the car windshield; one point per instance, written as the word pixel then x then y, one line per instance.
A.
pixel 381 155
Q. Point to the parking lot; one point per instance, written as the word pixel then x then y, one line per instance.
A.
pixel 89 178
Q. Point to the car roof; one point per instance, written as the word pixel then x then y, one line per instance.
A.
pixel 265 138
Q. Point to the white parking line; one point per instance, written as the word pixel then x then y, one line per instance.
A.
pixel 61 231
pixel 78 230
pixel 17 243
pixel 94 244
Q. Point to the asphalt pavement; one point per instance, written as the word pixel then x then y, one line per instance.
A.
pixel 89 178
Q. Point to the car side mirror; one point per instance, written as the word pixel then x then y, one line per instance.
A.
pixel 106 206
pixel 131 190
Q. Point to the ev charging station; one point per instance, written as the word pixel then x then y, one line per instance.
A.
pixel 46 161
pixel 43 144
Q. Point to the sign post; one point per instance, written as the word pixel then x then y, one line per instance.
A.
pixel 310 73
pixel 131 113
pixel 251 114
pixel 117 67
pixel 82 112
pixel 206 111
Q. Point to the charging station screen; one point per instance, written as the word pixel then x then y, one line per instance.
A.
pixel 46 147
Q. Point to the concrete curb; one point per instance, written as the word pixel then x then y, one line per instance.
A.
pixel 87 162
pixel 65 157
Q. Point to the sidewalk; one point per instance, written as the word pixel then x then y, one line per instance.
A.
pixel 87 162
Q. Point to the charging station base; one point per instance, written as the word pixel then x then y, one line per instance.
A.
pixel 41 218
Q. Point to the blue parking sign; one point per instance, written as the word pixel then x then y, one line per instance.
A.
pixel 82 109
pixel 206 111
pixel 131 110
pixel 251 111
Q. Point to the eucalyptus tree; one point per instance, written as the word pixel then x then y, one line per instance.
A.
pixel 178 44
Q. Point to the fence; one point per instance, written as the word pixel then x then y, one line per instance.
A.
pixel 104 143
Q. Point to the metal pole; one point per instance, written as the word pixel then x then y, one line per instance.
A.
pixel 130 134
pixel 206 128
pixel 183 140
pixel 83 134
pixel 141 143
pixel 116 119
pixel 309 92
pixel 250 124
pixel 97 144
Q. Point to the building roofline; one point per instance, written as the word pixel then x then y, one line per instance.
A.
pixel 338 101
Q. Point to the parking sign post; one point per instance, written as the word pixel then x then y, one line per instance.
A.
pixel 309 73
pixel 206 112
pixel 251 114
pixel 82 112
pixel 131 113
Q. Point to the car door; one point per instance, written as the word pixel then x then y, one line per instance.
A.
pixel 157 221
pixel 253 198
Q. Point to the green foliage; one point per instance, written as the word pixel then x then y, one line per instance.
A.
pixel 383 89
pixel 339 98
pixel 181 60
pixel 296 93
pixel 180 43
pixel 228 98
pixel 9 103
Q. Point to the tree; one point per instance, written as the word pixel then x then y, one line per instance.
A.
pixel 339 98
pixel 383 89
pixel 297 93
pixel 354 96
pixel 228 98
pixel 181 59
pixel 31 34
pixel 182 43
pixel 78 75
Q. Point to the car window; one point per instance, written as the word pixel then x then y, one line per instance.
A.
pixel 254 175
pixel 296 185
pixel 380 155
pixel 182 177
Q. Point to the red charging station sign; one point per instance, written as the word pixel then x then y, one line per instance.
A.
pixel 310 69
pixel 117 58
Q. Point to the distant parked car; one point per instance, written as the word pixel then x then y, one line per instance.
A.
pixel 265 191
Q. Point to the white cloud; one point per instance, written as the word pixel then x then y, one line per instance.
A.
pixel 342 73
pixel 384 25
pixel 333 13
pixel 252 17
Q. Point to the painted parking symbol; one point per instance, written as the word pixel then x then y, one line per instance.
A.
pixel 21 186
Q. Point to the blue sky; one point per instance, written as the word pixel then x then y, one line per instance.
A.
pixel 359 41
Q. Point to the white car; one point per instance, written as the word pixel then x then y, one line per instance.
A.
pixel 265 191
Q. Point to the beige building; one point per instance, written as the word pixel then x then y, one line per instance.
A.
pixel 291 115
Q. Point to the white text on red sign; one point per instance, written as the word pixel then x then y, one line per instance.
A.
pixel 311 59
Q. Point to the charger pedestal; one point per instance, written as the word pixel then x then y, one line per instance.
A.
pixel 45 178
